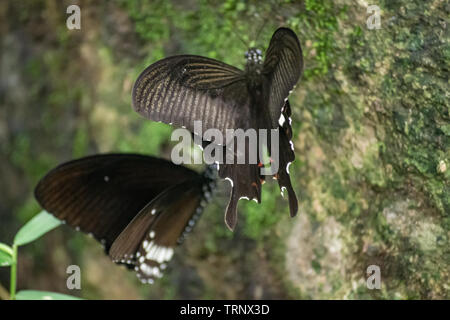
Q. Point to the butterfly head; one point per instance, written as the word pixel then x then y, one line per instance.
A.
pixel 253 56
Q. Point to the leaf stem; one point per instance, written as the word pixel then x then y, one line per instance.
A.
pixel 12 289
pixel 6 249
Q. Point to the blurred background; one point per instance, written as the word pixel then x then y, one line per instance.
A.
pixel 371 133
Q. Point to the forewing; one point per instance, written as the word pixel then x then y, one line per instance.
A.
pixel 101 194
pixel 283 67
pixel 182 89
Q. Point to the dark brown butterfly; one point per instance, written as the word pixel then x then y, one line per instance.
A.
pixel 182 89
pixel 139 207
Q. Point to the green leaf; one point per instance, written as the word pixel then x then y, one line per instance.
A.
pixel 43 295
pixel 5 259
pixel 6 253
pixel 36 227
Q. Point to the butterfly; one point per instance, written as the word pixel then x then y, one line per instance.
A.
pixel 139 207
pixel 179 90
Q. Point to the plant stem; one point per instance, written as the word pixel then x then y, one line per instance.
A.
pixel 12 289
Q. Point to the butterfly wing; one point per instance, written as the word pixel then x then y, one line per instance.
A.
pixel 101 194
pixel 239 176
pixel 147 243
pixel 283 67
pixel 246 179
pixel 245 183
pixel 286 157
pixel 182 89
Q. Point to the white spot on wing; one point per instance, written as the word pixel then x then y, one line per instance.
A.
pixel 231 181
pixel 282 191
pixel 281 121
pixel 158 253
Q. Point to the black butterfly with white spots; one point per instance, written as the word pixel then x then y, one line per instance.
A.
pixel 139 207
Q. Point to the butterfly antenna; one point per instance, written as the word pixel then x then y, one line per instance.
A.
pixel 266 18
pixel 239 37
pixel 236 33
pixel 261 28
